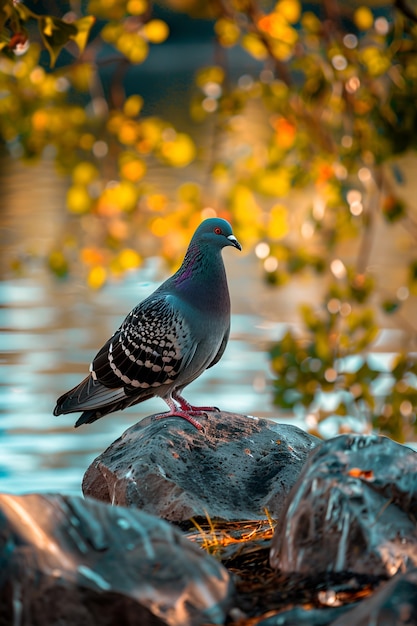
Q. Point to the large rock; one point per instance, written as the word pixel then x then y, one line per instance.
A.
pixel 75 562
pixel 233 470
pixel 353 509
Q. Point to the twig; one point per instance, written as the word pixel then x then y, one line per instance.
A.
pixel 402 6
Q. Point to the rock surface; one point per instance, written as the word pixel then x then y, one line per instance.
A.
pixel 394 604
pixel 233 470
pixel 353 509
pixel 298 616
pixel 75 562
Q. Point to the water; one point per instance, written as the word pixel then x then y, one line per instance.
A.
pixel 50 330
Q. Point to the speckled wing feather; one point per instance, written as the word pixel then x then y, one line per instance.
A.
pixel 150 348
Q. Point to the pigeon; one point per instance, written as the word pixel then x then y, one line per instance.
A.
pixel 167 340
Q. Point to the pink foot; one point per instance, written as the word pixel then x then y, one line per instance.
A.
pixel 184 414
pixel 190 408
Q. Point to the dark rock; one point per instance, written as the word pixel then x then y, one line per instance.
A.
pixel 353 509
pixel 394 604
pixel 298 616
pixel 233 470
pixel 75 562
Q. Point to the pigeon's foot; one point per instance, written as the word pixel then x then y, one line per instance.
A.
pixel 189 416
pixel 190 408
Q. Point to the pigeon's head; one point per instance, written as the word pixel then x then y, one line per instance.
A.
pixel 216 232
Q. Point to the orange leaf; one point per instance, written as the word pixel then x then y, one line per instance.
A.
pixel 356 472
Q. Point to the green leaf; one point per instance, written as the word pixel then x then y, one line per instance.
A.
pixel 55 35
pixel 6 12
pixel 24 12
pixel 390 306
pixel 310 318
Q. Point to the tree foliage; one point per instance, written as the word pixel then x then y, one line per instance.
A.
pixel 328 110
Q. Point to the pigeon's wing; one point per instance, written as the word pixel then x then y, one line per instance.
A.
pixel 150 349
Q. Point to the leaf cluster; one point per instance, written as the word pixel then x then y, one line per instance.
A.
pixel 55 33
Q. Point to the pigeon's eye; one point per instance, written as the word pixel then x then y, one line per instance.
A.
pixel 218 230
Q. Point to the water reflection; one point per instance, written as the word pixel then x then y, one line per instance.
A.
pixel 47 345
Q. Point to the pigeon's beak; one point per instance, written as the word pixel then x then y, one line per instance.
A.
pixel 234 242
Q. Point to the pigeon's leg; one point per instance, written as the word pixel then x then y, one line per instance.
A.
pixel 176 412
pixel 191 409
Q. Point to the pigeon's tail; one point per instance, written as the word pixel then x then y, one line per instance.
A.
pixel 88 417
pixel 94 398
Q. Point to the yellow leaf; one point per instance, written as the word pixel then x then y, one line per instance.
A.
pixel 133 46
pixel 290 9
pixel 157 202
pixel 227 31
pixel 48 26
pixel 84 173
pixel 179 151
pixel 83 26
pixel 78 199
pixel 128 195
pixel 189 192
pixel 247 212
pixel 118 229
pixel 133 105
pixel 40 120
pixel 128 132
pixel 81 75
pixel 278 226
pixel 97 277
pixel 155 31
pixel 92 256
pixel 129 259
pixel 375 61
pixel 311 22
pixel 277 27
pixel 150 134
pixel 115 122
pixel 87 140
pixel 212 74
pixel 363 18
pixel 160 227
pixel 107 9
pixel 132 169
pixel 137 7
pixel 77 116
pixel 119 197
pixel 111 32
pixel 281 50
pixel 253 44
pixel 275 182
pixel 285 132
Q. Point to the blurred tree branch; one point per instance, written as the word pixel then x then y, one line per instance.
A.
pixel 406 10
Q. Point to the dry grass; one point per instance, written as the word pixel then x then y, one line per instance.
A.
pixel 243 548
